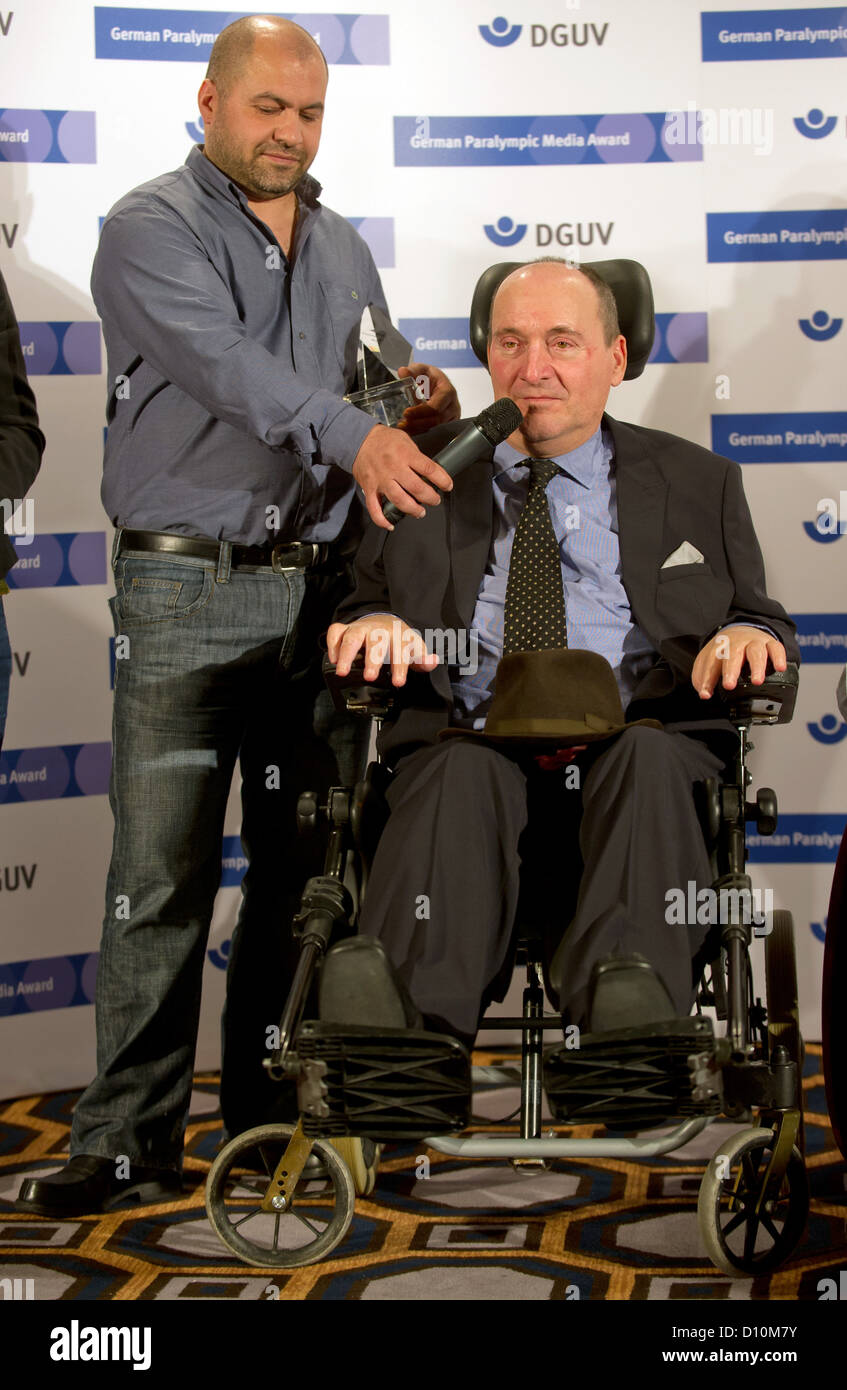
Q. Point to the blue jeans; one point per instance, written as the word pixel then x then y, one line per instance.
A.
pixel 219 665
pixel 5 671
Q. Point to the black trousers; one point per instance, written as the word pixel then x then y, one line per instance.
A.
pixel 467 820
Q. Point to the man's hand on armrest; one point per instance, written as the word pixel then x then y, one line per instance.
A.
pixel 727 652
pixel 388 465
pixel 384 637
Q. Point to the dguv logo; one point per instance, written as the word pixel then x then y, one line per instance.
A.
pixel 505 232
pixel 815 125
pixel 219 956
pixel 829 729
pixel 196 130
pixel 820 327
pixel 500 33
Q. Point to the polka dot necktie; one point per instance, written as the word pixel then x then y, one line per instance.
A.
pixel 535 602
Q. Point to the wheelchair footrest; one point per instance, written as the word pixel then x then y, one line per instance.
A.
pixel 636 1078
pixel 381 1084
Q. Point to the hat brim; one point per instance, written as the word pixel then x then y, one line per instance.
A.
pixel 559 732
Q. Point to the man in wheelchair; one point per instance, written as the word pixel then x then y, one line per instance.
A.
pixel 611 579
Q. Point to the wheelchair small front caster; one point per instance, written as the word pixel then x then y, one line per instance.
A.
pixel 744 1234
pixel 262 1226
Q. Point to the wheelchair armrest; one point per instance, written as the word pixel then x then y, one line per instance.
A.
pixel 352 694
pixel 772 702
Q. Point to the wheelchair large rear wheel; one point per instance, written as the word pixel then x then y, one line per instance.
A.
pixel 783 1001
pixel 833 1012
pixel 781 978
pixel 743 1236
pixel 316 1220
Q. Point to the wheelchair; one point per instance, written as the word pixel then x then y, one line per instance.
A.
pixel 373 1085
pixel 833 1018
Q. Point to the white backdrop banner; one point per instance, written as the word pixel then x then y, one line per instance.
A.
pixel 708 144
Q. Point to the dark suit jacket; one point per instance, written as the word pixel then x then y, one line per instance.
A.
pixel 21 441
pixel 429 572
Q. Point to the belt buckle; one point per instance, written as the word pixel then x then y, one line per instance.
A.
pixel 279 552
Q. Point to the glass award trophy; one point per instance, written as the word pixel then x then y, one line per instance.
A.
pixel 381 352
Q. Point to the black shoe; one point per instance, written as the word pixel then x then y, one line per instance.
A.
pixel 632 1067
pixel 371 1068
pixel 359 986
pixel 626 992
pixel 87 1186
pixel 635 1078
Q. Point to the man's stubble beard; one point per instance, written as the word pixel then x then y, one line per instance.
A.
pixel 251 175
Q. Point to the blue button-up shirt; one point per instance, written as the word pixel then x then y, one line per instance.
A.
pixel 583 509
pixel 227 361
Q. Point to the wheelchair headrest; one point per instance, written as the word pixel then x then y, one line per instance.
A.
pixel 629 283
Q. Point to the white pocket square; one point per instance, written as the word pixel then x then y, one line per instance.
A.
pixel 685 554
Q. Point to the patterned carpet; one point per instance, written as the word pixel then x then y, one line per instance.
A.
pixel 609 1228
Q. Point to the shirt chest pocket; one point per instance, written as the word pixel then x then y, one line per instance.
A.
pixel 344 309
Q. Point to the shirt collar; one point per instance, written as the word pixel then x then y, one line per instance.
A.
pixel 587 464
pixel 308 190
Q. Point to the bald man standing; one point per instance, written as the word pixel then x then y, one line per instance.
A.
pixel 231 302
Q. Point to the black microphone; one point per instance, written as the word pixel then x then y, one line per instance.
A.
pixel 491 427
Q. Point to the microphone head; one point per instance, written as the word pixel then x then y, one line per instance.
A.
pixel 499 420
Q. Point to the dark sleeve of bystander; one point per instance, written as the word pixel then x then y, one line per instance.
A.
pixel 21 441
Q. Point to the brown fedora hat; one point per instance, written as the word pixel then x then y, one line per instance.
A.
pixel 558 695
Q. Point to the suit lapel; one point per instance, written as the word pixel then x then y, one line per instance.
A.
pixel 641 499
pixel 469 521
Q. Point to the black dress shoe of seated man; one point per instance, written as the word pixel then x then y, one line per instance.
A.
pixel 626 992
pixel 88 1185
pixel 360 986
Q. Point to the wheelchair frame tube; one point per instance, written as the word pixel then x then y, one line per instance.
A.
pixel 505 1146
pixel 322 905
pixel 531 1094
pixel 736 935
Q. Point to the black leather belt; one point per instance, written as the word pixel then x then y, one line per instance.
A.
pixel 289 555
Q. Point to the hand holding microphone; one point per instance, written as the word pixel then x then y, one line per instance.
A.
pixel 490 428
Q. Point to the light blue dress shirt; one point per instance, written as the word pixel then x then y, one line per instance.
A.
pixel 583 509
